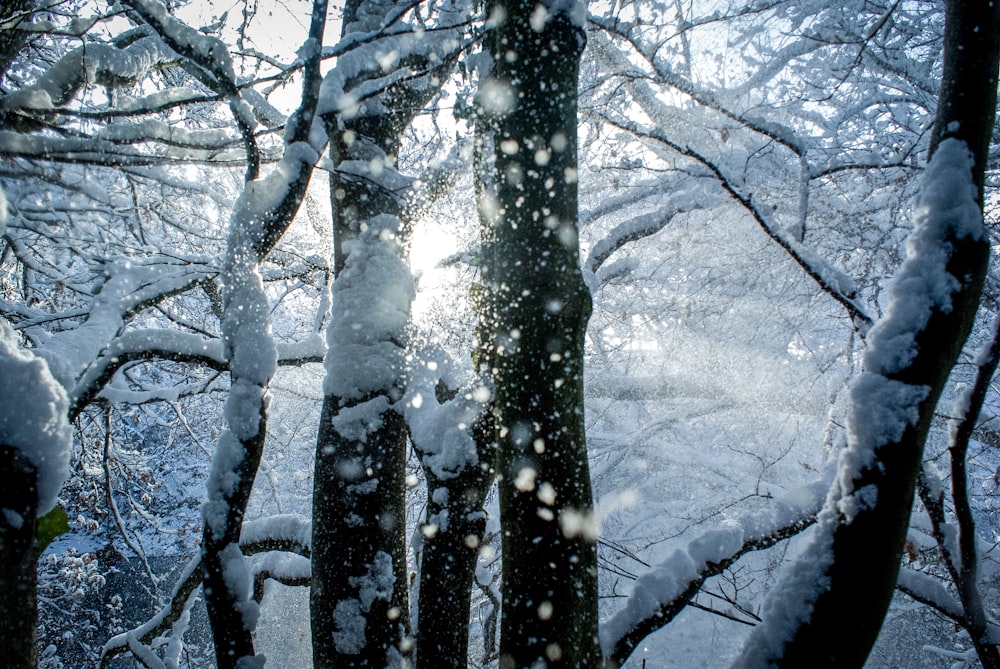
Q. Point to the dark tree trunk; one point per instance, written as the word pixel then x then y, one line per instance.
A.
pixel 449 556
pixel 866 549
pixel 18 574
pixel 359 503
pixel 359 544
pixel 540 310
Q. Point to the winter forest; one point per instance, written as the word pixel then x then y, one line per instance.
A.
pixel 499 333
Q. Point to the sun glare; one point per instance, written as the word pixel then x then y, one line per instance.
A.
pixel 431 243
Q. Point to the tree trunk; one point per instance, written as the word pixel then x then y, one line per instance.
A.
pixel 540 310
pixel 359 505
pixel 360 593
pixel 359 599
pixel 18 575
pixel 359 604
pixel 862 531
pixel 454 529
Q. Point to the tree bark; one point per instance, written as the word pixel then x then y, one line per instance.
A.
pixel 866 547
pixel 449 556
pixel 540 310
pixel 12 38
pixel 359 500
pixel 18 574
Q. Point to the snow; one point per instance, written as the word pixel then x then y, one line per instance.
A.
pixel 643 225
pixel 358 421
pixel 796 594
pixel 349 627
pixel 947 207
pixel 928 588
pixel 122 639
pixel 222 481
pixel 33 416
pixel 667 580
pixel 255 662
pixel 367 46
pixel 575 10
pixel 378 583
pixel 239 582
pixel 3 213
pixel 205 49
pixel 441 433
pixel 158 99
pixel 94 63
pixel 148 130
pixel 284 565
pixel 175 643
pixel 881 410
pixel 13 518
pixel 349 615
pixel 881 407
pixel 282 527
pixel 145 655
pixel 370 311
pixel 127 284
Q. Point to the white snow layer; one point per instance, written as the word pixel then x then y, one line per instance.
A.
pixel 882 408
pixel 33 416
pixel 94 63
pixel 946 208
pixel 442 433
pixel 282 527
pixel 666 581
pixel 236 574
pixel 371 306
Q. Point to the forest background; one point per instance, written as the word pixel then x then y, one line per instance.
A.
pixel 246 240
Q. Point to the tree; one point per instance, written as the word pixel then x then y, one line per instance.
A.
pixel 537 316
pixel 359 596
pixel 121 147
pixel 911 351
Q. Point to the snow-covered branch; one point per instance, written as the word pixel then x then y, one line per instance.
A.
pixel 661 593
pixel 642 226
pixel 91 64
pixel 210 56
pixel 288 533
pixel 781 134
pixel 830 279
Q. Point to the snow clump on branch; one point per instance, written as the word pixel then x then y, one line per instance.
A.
pixel 33 416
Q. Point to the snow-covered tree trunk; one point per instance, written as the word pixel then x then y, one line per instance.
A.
pixel 35 445
pixel 829 610
pixel 360 593
pixel 540 308
pixel 261 215
pixel 452 534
